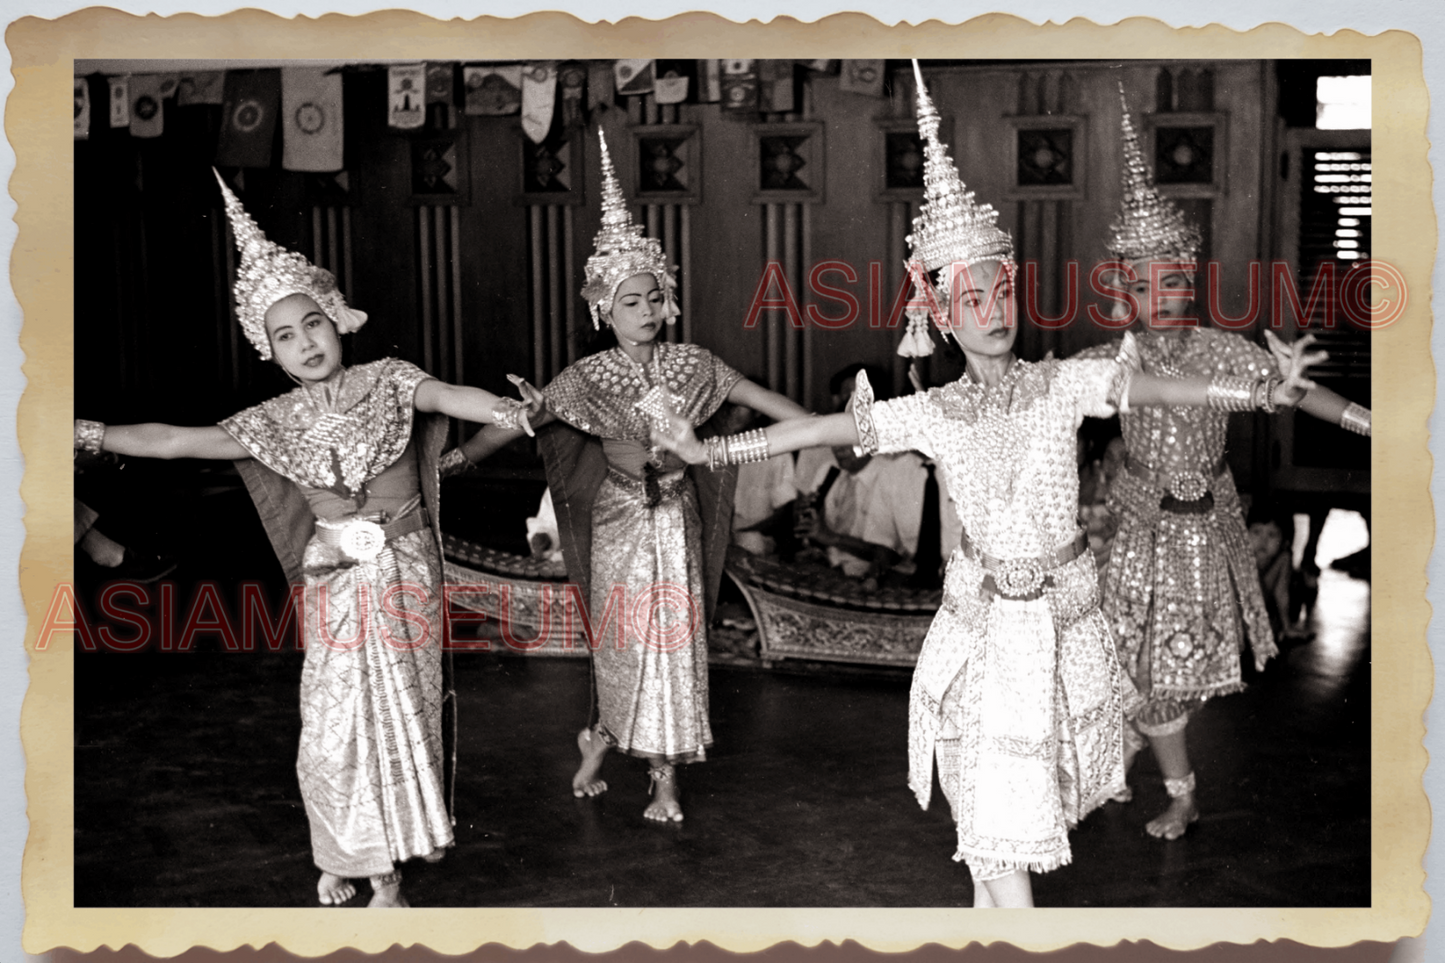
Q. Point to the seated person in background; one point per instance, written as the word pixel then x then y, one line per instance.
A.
pixel 542 534
pixel 1101 458
pixel 1271 535
pixel 869 513
pixel 762 503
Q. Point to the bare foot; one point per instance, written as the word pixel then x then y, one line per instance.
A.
pixel 1174 821
pixel 435 856
pixel 332 890
pixel 664 807
pixel 594 750
pixel 1123 795
pixel 386 895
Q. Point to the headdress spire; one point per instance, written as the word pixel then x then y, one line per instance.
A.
pixel 1149 225
pixel 622 251
pixel 268 272
pixel 951 227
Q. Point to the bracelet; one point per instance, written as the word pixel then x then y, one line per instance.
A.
pixel 1227 393
pixel 716 455
pixel 89 435
pixel 507 413
pixel 1267 389
pixel 1356 418
pixel 386 879
pixel 453 462
pixel 747 448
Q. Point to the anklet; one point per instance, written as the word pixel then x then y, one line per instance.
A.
pixel 657 774
pixel 1179 787
pixel 386 879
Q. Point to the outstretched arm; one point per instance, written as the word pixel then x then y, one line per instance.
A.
pixel 476 404
pixel 1236 394
pixel 775 406
pixel 155 440
pixel 785 436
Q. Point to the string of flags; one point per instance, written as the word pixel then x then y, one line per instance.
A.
pixel 307 102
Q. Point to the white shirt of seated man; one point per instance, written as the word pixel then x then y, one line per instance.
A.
pixel 763 489
pixel 880 503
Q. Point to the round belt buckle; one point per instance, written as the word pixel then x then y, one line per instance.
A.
pixel 362 540
pixel 1018 577
pixel 1189 486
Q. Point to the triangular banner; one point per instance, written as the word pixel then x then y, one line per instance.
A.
pixel 82 108
pixel 147 115
pixel 539 94
pixel 201 87
pixel 493 91
pixel 312 133
pixel 248 118
pixel 119 101
pixel 634 77
pixel 406 97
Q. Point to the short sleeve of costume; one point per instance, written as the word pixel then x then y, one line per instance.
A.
pixel 724 376
pixel 406 377
pixel 567 397
pixel 1107 351
pixel 1089 385
pixel 901 424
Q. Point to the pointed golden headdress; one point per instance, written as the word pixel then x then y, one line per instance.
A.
pixel 268 272
pixel 951 227
pixel 1148 225
pixel 622 252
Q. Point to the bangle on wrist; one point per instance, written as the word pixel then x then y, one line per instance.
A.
pixel 1267 403
pixel 1228 393
pixel 1356 418
pixel 507 413
pixel 89 435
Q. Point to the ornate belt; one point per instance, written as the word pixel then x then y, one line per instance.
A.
pixel 668 483
pixel 1022 578
pixel 1183 486
pixel 362 537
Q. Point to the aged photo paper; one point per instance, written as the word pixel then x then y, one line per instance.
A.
pixel 1401 675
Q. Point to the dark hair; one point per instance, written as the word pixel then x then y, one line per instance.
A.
pixel 881 380
pixel 1266 510
pixel 1096 433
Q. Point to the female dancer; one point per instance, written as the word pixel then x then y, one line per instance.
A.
pixel 1017 692
pixel 1182 590
pixel 348 493
pixel 635 528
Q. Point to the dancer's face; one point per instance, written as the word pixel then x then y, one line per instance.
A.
pixel 982 330
pixel 1163 303
pixel 303 339
pixel 637 309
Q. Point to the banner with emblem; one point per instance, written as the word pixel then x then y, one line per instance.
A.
pixel 634 77
pixel 248 118
pixel 862 77
pixel 672 80
pixel 406 96
pixel 82 108
pixel 119 101
pixel 740 85
pixel 147 111
pixel 440 83
pixel 201 87
pixel 312 128
pixel 599 84
pixel 539 96
pixel 775 86
pixel 493 90
pixel 571 88
pixel 709 81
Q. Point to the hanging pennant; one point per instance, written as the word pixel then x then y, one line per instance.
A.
pixel 672 80
pixel 201 87
pixel 709 81
pixel 311 132
pixel 493 91
pixel 440 83
pixel 248 115
pixel 539 94
pixel 406 101
pixel 169 84
pixel 147 118
pixel 862 77
pixel 739 85
pixel 599 84
pixel 82 109
pixel 119 101
pixel 572 84
pixel 775 86
pixel 634 77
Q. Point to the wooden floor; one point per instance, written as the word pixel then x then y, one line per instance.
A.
pixel 185 792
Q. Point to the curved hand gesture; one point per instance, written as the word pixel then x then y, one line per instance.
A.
pixel 534 403
pixel 681 440
pixel 1293 361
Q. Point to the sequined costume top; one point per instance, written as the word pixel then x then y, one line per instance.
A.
pixel 1181 590
pixel 1021 699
